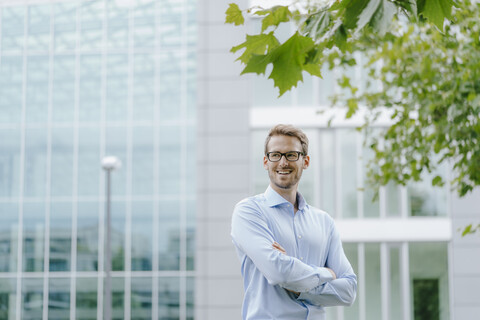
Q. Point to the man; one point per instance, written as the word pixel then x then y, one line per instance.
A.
pixel 292 260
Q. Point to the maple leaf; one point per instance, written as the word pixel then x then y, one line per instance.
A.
pixel 288 62
pixel 234 15
pixel 256 44
pixel 274 16
pixel 436 11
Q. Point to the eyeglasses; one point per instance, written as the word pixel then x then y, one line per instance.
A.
pixel 290 156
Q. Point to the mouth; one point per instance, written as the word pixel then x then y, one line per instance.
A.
pixel 284 172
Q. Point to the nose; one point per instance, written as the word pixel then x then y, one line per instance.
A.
pixel 283 160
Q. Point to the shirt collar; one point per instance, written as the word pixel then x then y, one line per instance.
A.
pixel 274 199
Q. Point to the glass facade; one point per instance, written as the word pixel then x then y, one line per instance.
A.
pixel 80 80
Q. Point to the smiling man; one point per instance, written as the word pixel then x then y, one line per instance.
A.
pixel 292 260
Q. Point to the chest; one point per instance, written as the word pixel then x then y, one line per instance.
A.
pixel 303 235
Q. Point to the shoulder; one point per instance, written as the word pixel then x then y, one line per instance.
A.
pixel 251 203
pixel 321 215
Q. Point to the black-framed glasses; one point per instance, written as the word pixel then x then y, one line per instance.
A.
pixel 290 156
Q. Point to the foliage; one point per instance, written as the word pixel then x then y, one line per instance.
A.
pixel 321 27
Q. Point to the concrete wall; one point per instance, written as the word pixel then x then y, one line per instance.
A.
pixel 465 258
pixel 222 165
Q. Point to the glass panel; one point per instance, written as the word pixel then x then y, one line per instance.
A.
pixel 8 237
pixel 9 162
pixel 168 298
pixel 395 284
pixel 371 207
pixel 13 24
pixel 170 86
pixel 170 31
pixel 86 304
pixel 142 235
pixel 35 162
pixel 92 13
pixel 118 235
pixel 32 299
pixel 191 79
pixel 141 304
pixel 8 297
pixel 59 299
pixel 37 89
pixel 190 298
pixel 60 235
pixel 116 145
pixel 65 22
pixel 62 162
pixel 87 236
pixel 63 92
pixel 142 161
pixel 33 236
pixel 325 86
pixel 191 161
pixel 11 88
pixel 351 251
pixel 117 33
pixel 190 232
pixel 117 88
pixel 429 280
pixel 90 88
pixel 118 298
pixel 372 282
pixel 143 87
pixel 260 176
pixel 38 27
pixel 425 200
pixel 169 235
pixel 169 166
pixel 144 21
pixel 348 166
pixel 89 168
pixel 392 192
pixel 327 171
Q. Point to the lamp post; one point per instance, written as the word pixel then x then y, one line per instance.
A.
pixel 109 163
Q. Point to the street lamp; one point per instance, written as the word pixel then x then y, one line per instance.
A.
pixel 109 163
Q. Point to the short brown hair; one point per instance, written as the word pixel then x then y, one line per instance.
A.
pixel 288 130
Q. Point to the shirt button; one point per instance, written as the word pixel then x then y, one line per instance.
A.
pixel 301 258
pixel 299 237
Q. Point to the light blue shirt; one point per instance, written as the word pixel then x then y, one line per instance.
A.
pixel 312 243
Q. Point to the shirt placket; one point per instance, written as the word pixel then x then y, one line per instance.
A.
pixel 298 232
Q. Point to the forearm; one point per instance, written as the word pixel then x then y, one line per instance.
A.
pixel 339 292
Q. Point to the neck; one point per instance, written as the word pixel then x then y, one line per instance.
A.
pixel 289 194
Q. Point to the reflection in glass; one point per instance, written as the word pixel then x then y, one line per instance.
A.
pixel 169 165
pixel 327 171
pixel 87 236
pixel 63 92
pixel 65 22
pixel 191 168
pixel 190 234
pixel 429 279
pixel 348 165
pixel 141 304
pixel 118 298
pixel 32 298
pixel 169 235
pixel 59 299
pixel 90 88
pixel 33 236
pixel 35 162
pixel 118 235
pixel 425 200
pixel 62 162
pixel 92 13
pixel 37 89
pixel 60 235
pixel 372 281
pixel 88 161
pixel 142 161
pixel 11 88
pixel 170 85
pixel 190 298
pixel 38 27
pixel 13 24
pixel 117 87
pixel 8 236
pixel 168 298
pixel 9 162
pixel 143 87
pixel 116 145
pixel 142 233
pixel 86 299
pixel 395 285
pixel 8 297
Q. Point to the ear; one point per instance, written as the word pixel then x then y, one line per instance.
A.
pixel 265 162
pixel 306 161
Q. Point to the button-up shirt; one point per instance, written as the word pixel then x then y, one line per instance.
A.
pixel 270 277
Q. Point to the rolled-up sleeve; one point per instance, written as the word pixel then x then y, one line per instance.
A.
pixel 252 237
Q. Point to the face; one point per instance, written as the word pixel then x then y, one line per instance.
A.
pixel 284 174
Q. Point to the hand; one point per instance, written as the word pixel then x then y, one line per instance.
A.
pixel 278 247
pixel 333 273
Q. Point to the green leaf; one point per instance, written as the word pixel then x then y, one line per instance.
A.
pixel 353 11
pixel 256 44
pixel 383 17
pixel 437 181
pixel 274 16
pixel 288 62
pixel 313 69
pixel 436 11
pixel 467 230
pixel 234 15
pixel 352 105
pixel 256 64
